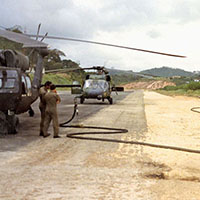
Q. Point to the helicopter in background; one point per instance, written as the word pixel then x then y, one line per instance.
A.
pixel 97 85
pixel 18 92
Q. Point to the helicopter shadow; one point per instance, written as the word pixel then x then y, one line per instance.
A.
pixel 95 102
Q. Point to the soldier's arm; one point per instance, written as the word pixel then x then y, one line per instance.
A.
pixel 42 94
pixel 58 99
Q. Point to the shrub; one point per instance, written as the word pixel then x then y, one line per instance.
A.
pixel 190 86
pixel 193 86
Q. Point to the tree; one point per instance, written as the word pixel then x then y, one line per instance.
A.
pixel 53 60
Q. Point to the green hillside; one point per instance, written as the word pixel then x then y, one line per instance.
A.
pixel 167 72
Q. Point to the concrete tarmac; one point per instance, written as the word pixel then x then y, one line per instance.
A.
pixel 33 167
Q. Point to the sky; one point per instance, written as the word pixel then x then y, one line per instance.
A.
pixel 170 26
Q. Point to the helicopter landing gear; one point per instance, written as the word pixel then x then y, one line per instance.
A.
pixel 31 112
pixel 110 100
pixel 82 100
pixel 3 124
pixel 13 124
pixel 9 124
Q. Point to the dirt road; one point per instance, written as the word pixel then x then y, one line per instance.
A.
pixel 32 167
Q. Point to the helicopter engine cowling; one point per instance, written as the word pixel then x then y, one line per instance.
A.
pixel 16 59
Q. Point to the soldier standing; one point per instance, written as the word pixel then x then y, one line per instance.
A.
pixel 51 99
pixel 43 90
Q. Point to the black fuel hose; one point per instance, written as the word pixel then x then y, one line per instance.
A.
pixel 73 115
pixel 72 135
pixel 80 136
pixel 195 109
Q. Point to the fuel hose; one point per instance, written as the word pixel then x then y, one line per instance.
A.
pixel 107 130
pixel 196 109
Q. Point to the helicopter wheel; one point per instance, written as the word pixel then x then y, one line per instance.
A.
pixel 3 124
pixel 17 125
pixel 82 100
pixel 110 100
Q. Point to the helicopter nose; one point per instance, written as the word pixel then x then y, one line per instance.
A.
pixel 95 93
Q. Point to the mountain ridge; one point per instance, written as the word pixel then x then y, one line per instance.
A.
pixel 167 72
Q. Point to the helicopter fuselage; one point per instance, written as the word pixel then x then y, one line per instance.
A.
pixel 10 88
pixel 17 91
pixel 97 89
pixel 96 86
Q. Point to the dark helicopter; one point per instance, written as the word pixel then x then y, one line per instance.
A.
pixel 97 85
pixel 18 92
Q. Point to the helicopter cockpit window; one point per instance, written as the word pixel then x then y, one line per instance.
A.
pixel 26 86
pixel 8 81
pixel 28 82
pixel 88 83
pixel 96 84
pixel 103 84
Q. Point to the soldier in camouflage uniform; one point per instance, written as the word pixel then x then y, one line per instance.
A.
pixel 43 90
pixel 52 99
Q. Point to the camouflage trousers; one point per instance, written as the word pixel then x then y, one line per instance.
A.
pixel 42 111
pixel 51 116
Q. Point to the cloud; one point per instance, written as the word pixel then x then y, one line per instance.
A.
pixel 62 17
pixel 184 11
pixel 166 26
pixel 153 34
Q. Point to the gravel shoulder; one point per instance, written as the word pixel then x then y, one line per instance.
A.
pixel 171 122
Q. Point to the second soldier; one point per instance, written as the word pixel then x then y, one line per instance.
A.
pixel 42 106
pixel 51 99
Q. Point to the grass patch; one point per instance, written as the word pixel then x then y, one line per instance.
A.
pixel 190 89
pixel 57 78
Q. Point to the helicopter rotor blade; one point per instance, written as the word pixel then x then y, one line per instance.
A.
pixel 62 70
pixel 38 31
pixel 73 69
pixel 23 39
pixel 106 44
pixel 92 68
pixel 44 36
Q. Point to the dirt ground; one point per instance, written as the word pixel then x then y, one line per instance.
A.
pixel 150 85
pixel 171 122
pixel 60 169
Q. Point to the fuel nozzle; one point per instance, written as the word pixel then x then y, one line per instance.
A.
pixel 75 101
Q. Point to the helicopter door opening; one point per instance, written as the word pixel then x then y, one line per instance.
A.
pixel 76 90
pixel 26 85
